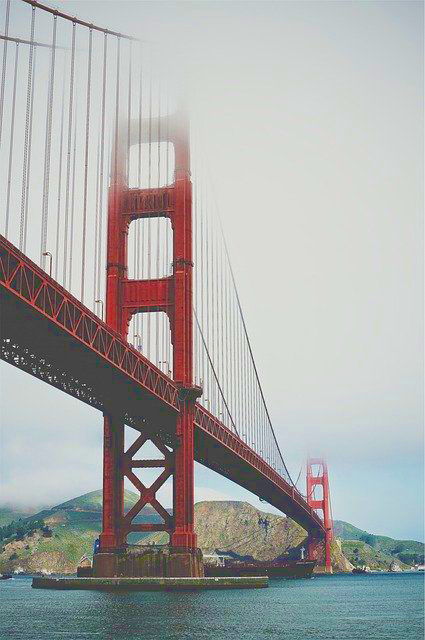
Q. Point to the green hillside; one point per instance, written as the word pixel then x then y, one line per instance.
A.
pixel 85 514
pixel 72 527
pixel 361 547
pixel 89 503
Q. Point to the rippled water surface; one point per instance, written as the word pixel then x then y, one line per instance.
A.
pixel 347 607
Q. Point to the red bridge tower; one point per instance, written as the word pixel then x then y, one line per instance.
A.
pixel 173 296
pixel 319 503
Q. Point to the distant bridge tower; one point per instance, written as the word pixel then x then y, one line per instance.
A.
pixel 322 503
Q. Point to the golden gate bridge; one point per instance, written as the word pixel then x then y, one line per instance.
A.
pixel 100 177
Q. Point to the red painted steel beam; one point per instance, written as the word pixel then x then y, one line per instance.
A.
pixel 147 527
pixel 144 296
pixel 26 281
pixel 148 203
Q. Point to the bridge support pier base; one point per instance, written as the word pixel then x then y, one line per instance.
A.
pixel 169 562
pixel 320 551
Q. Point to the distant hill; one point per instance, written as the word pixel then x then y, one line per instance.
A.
pixel 9 513
pixel 227 526
pixel 86 512
pixel 361 547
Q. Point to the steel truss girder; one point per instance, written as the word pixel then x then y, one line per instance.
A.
pixel 22 358
pixel 33 286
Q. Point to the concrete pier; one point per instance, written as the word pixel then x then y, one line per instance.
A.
pixel 149 562
pixel 151 584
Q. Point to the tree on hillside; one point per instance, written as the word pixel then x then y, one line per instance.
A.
pixel 20 528
pixel 369 539
pixel 398 549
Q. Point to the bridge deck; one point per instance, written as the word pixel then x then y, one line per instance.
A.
pixel 48 333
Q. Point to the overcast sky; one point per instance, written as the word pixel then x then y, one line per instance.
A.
pixel 312 122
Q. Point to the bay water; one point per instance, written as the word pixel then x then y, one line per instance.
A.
pixel 381 606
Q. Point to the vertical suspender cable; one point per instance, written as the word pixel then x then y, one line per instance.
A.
pixel 12 132
pixel 68 155
pixel 74 157
pixel 195 271
pixel 96 264
pixel 238 368
pixel 222 311
pixel 230 342
pixel 158 226
pixel 254 413
pixel 28 128
pixel 47 149
pixel 244 402
pixel 217 308
pixel 202 256
pixel 102 164
pixel 129 111
pixel 167 245
pixel 3 66
pixel 149 234
pixel 207 292
pixel 114 167
pixel 58 208
pixel 233 353
pixel 226 331
pixel 211 344
pixel 27 186
pixel 128 140
pixel 166 257
pixel 117 104
pixel 130 61
pixel 86 164
pixel 217 316
pixel 138 223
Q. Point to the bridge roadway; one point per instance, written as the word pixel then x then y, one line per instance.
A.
pixel 48 333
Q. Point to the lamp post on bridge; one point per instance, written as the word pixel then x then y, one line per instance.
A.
pixel 101 303
pixel 49 255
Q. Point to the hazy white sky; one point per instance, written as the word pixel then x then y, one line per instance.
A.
pixel 312 123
